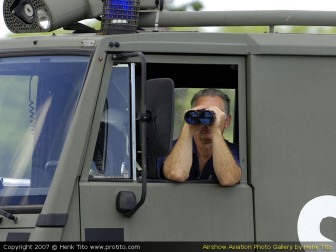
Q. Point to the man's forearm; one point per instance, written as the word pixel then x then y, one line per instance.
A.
pixel 226 169
pixel 178 163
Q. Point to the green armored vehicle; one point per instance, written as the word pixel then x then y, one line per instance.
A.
pixel 84 117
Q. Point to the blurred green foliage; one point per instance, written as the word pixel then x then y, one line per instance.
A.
pixel 192 5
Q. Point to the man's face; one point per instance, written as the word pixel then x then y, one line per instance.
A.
pixel 203 132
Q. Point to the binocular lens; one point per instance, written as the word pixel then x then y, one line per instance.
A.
pixel 207 117
pixel 194 117
pixel 191 117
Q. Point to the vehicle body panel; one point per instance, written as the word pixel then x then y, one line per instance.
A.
pixel 286 125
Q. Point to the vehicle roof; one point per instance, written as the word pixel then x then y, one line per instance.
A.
pixel 183 42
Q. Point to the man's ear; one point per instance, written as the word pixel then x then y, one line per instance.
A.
pixel 227 121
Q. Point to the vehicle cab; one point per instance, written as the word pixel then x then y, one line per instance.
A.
pixel 86 115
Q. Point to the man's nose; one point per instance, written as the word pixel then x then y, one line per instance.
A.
pixel 205 126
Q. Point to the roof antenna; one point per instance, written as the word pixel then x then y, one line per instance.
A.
pixel 156 24
pixel 159 8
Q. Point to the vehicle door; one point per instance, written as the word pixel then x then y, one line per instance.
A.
pixel 191 211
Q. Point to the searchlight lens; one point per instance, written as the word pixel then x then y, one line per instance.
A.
pixel 43 20
pixel 28 10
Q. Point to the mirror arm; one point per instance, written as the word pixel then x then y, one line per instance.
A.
pixel 143 111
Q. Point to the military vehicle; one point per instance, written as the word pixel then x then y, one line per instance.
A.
pixel 85 115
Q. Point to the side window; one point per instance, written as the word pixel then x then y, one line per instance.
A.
pixel 225 74
pixel 112 155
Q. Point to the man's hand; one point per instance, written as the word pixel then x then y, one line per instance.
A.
pixel 220 122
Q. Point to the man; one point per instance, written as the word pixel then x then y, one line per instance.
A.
pixel 201 152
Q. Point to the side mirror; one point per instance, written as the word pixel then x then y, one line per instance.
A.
pixel 160 105
pixel 156 124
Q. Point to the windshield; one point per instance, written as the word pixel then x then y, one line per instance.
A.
pixel 38 95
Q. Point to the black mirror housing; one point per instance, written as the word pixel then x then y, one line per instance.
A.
pixel 160 104
pixel 125 201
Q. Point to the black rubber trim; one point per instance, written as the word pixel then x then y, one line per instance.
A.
pixel 104 234
pixel 52 220
pixel 17 237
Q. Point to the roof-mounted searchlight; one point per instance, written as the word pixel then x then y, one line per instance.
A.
pixel 119 16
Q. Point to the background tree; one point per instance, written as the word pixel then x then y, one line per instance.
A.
pixel 192 5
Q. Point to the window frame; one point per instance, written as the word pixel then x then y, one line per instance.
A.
pixel 132 130
pixel 35 197
pixel 240 101
pixel 240 131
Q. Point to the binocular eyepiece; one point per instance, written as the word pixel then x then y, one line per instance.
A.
pixel 194 117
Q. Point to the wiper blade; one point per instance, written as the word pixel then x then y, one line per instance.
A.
pixel 8 215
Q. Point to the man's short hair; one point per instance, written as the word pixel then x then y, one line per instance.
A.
pixel 213 92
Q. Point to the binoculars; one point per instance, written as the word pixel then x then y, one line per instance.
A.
pixel 194 117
